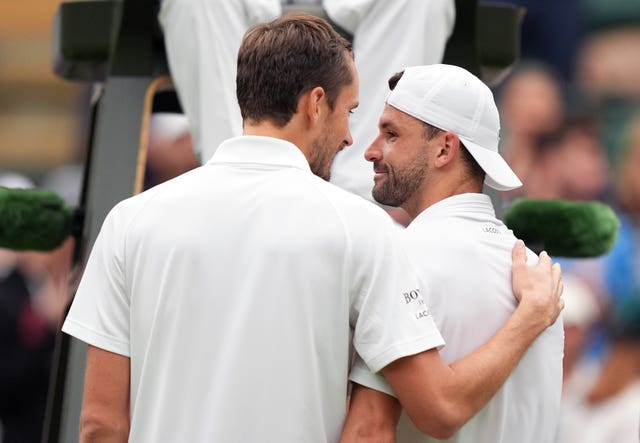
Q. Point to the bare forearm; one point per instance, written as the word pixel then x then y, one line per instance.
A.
pixel 105 406
pixel 441 398
pixel 373 417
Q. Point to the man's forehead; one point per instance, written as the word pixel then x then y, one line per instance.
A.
pixel 349 96
pixel 393 116
pixel 355 84
pixel 349 93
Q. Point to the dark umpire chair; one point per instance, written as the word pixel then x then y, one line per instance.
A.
pixel 117 46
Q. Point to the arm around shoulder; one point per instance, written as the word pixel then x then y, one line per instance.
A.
pixel 441 398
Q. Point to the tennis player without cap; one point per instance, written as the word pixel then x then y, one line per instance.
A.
pixel 437 143
pixel 218 306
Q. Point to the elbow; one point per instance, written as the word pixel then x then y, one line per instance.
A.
pixel 90 428
pixel 440 422
pixel 440 429
pixel 97 429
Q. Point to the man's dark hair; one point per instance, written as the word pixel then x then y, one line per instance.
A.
pixel 430 131
pixel 473 168
pixel 281 60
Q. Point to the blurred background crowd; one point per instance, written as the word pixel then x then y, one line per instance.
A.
pixel 570 112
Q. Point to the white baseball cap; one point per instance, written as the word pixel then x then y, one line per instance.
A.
pixel 452 99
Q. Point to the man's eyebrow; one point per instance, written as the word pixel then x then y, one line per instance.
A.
pixel 385 124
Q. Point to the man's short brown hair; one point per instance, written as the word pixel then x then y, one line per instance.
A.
pixel 281 60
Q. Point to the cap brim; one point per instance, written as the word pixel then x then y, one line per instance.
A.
pixel 499 175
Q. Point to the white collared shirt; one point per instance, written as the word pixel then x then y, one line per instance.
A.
pixel 463 253
pixel 234 289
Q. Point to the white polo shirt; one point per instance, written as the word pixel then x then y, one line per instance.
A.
pixel 234 289
pixel 463 253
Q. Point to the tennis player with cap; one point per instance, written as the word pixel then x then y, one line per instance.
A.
pixel 437 144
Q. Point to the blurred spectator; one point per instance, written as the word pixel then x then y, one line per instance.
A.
pixel 627 179
pixel 580 368
pixel 55 267
pixel 568 163
pixel 581 313
pixel 610 411
pixel 531 104
pixel 27 336
pixel 622 264
pixel 607 70
pixel 608 63
pixel 34 293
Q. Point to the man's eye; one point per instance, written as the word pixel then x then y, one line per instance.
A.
pixel 391 134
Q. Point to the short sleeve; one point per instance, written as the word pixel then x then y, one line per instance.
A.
pixel 361 374
pixel 99 314
pixel 391 314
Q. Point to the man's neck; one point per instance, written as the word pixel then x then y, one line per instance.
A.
pixel 265 128
pixel 436 192
pixel 290 132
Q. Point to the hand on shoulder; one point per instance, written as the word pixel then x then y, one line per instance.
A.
pixel 538 288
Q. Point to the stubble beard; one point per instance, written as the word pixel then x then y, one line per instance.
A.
pixel 398 188
pixel 321 164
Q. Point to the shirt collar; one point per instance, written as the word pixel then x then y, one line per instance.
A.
pixel 461 203
pixel 251 149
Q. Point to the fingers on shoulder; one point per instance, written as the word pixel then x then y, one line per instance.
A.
pixel 519 253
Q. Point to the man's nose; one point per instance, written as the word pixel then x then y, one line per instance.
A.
pixel 349 140
pixel 373 153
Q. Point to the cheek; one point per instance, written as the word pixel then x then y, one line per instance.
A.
pixel 396 164
pixel 335 126
pixel 392 150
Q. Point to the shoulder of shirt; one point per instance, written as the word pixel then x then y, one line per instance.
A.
pixel 126 210
pixel 346 201
pixel 432 235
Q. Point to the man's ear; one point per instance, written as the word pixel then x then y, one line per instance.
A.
pixel 311 102
pixel 447 149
